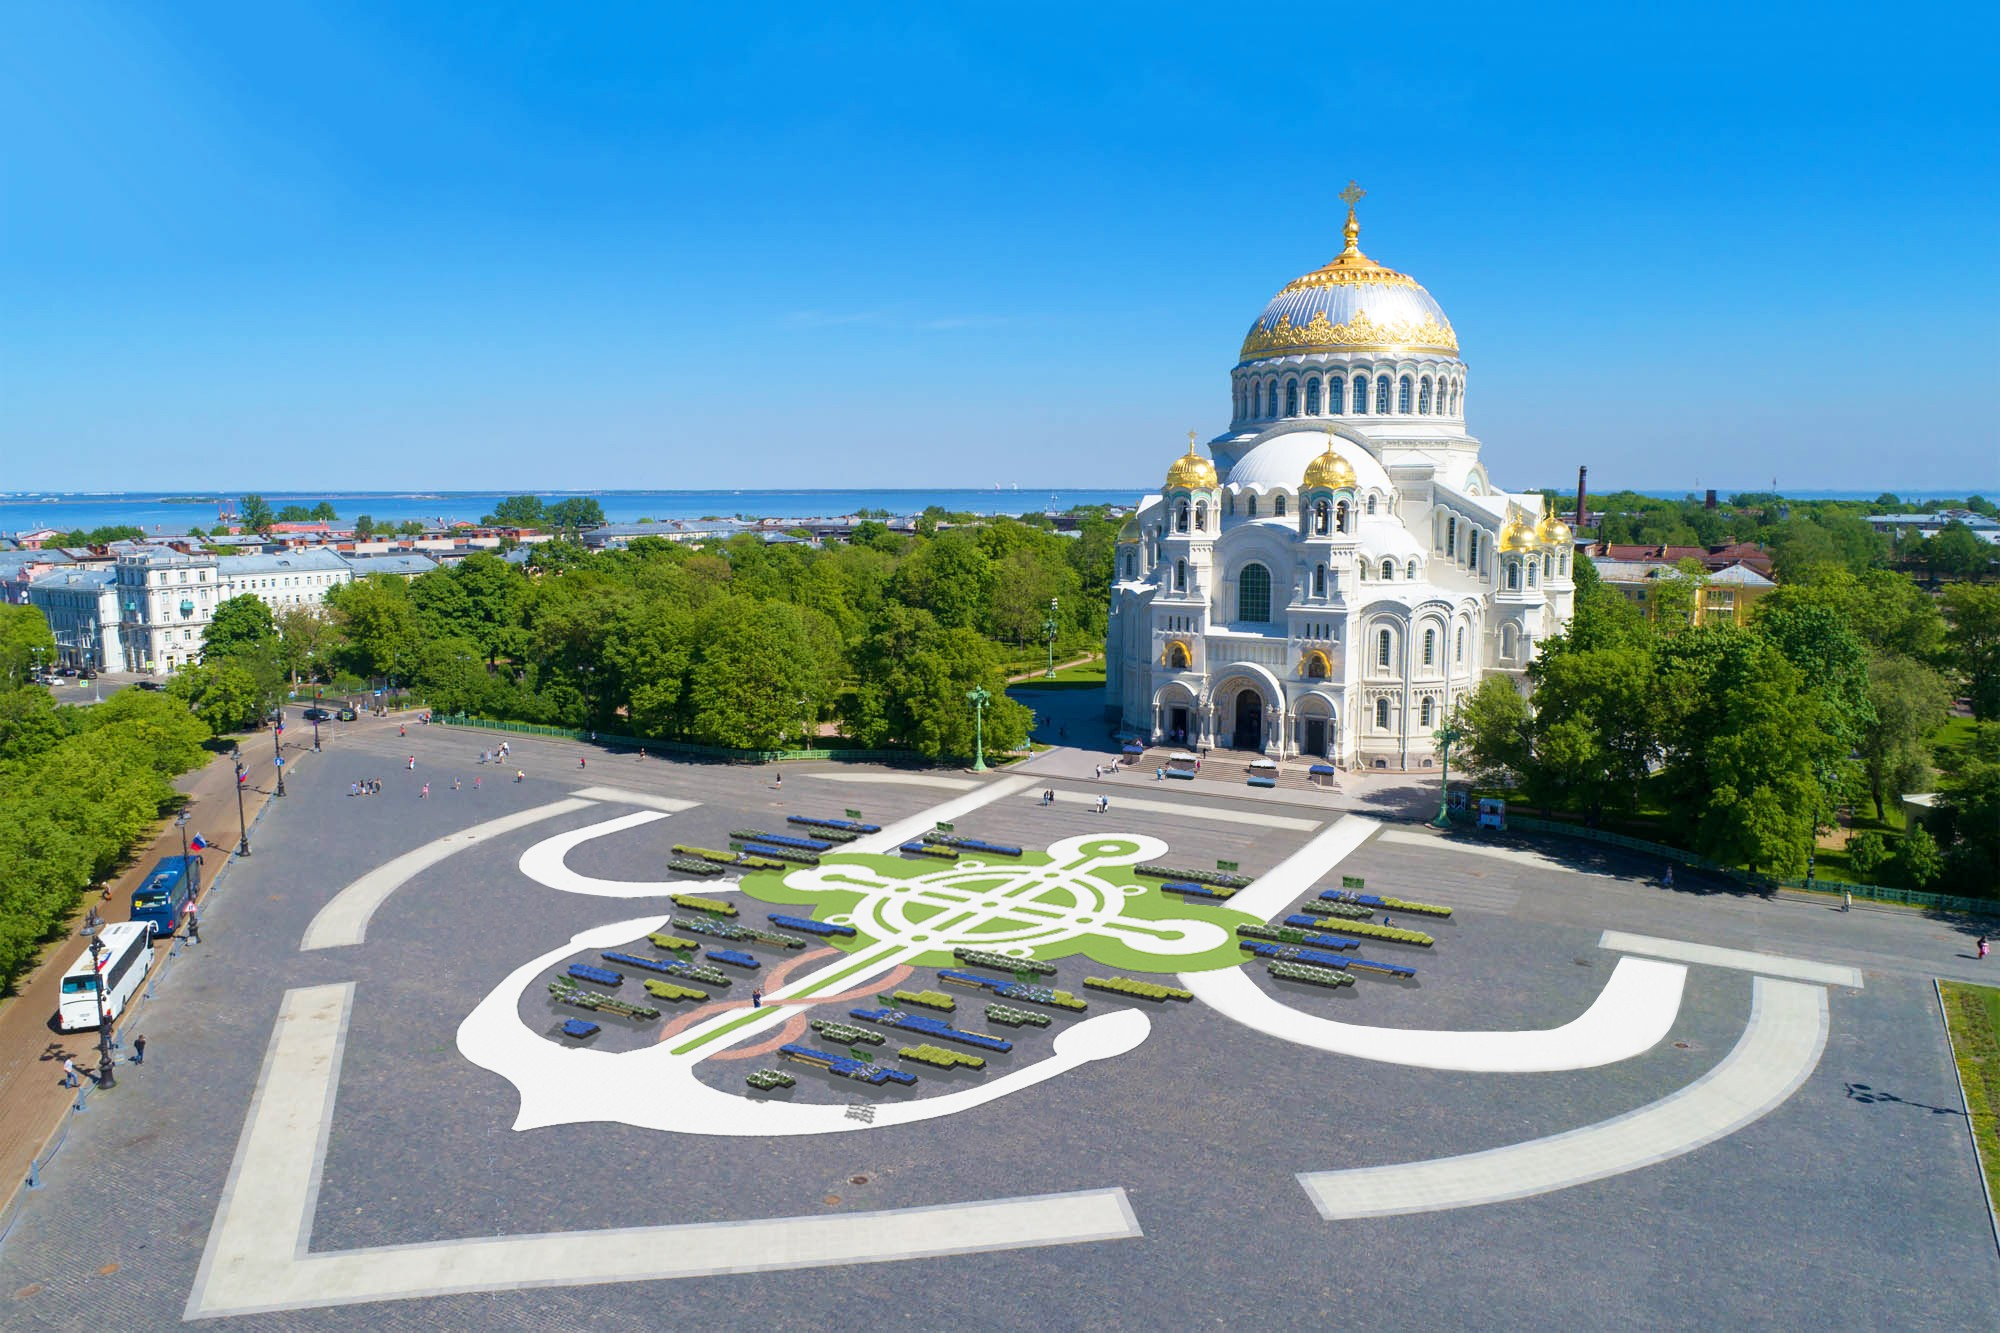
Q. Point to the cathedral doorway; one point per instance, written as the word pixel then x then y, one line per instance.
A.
pixel 1177 725
pixel 1249 721
pixel 1315 736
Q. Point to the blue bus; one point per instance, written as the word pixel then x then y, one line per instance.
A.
pixel 163 895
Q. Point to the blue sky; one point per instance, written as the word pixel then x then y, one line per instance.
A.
pixel 463 246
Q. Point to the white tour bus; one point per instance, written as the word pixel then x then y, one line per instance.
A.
pixel 128 955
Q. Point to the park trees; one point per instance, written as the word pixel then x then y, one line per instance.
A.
pixel 377 625
pixel 243 624
pixel 1493 720
pixel 1907 701
pixel 753 678
pixel 305 641
pixel 517 511
pixel 912 676
pixel 256 514
pixel 1973 613
pixel 224 692
pixel 25 640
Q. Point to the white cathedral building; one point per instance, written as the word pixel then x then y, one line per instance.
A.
pixel 1345 569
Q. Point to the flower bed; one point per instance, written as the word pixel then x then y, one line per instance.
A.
pixel 663 966
pixel 846 1066
pixel 1002 962
pixel 807 924
pixel 770 1080
pixel 1015 990
pixel 566 991
pixel 598 975
pixel 672 943
pixel 577 1027
pixel 706 854
pixel 713 906
pixel 850 826
pixel 930 849
pixel 973 844
pixel 1331 978
pixel 931 1027
pixel 702 972
pixel 940 1057
pixel 688 866
pixel 1193 890
pixel 1374 930
pixel 1014 1018
pixel 845 1033
pixel 928 999
pixel 1387 904
pixel 1329 906
pixel 768 852
pixel 1293 953
pixel 782 840
pixel 729 930
pixel 1311 933
pixel 1224 878
pixel 1137 989
pixel 762 863
pixel 1368 965
pixel 736 958
pixel 667 990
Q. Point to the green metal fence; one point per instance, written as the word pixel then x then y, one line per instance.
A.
pixel 716 752
pixel 1881 893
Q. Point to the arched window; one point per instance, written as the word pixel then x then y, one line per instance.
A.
pixel 1252 512
pixel 1388 569
pixel 1340 516
pixel 1562 562
pixel 1381 715
pixel 1291 398
pixel 1426 713
pixel 1239 402
pixel 1180 576
pixel 1181 516
pixel 1381 395
pixel 1461 643
pixel 1383 643
pixel 1472 548
pixel 1451 536
pixel 1201 516
pixel 1229 506
pixel 1312 398
pixel 1320 518
pixel 1403 390
pixel 1316 666
pixel 1360 393
pixel 1253 595
pixel 1531 573
pixel 1424 397
pixel 1371 504
pixel 1430 650
pixel 1413 571
pixel 1278 506
pixel 1513 575
pixel 1319 580
pixel 1334 395
pixel 1510 639
pixel 1455 392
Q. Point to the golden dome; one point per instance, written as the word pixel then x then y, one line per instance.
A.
pixel 1329 471
pixel 1192 472
pixel 1552 531
pixel 1128 531
pixel 1516 536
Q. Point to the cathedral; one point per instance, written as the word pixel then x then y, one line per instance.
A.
pixel 1343 570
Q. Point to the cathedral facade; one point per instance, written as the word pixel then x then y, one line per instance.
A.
pixel 1343 569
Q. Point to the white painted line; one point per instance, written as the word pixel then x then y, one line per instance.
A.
pixel 258 1257
pixel 1743 960
pixel 898 780
pixel 900 832
pixel 1777 1053
pixel 671 804
pixel 1291 877
pixel 1631 1014
pixel 545 863
pixel 344 919
pixel 1216 813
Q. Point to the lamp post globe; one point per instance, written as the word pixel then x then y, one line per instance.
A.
pixel 277 753
pixel 106 1076
pixel 242 828
pixel 1449 735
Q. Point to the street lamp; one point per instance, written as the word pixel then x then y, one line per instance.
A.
pixel 181 823
pixel 315 716
pixel 277 734
pixel 1049 633
pixel 1450 734
pixel 105 1077
pixel 242 829
pixel 979 698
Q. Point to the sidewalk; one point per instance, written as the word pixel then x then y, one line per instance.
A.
pixel 33 1102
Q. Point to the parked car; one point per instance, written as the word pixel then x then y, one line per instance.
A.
pixel 347 715
pixel 152 684
pixel 318 715
pixel 86 674
pixel 68 671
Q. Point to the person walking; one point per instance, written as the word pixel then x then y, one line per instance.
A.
pixel 69 1072
pixel 1847 900
pixel 756 999
pixel 425 794
pixel 518 775
pixel 139 1049
pixel 780 783
pixel 413 763
pixel 402 730
pixel 455 784
pixel 475 784
pixel 582 762
pixel 1982 946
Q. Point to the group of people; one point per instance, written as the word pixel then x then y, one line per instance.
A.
pixel 365 787
pixel 495 756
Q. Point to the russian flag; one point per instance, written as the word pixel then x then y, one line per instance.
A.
pixel 197 843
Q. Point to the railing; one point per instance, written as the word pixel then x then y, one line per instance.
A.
pixel 690 748
pixel 1881 893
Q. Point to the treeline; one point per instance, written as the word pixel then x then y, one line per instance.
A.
pixel 82 786
pixel 738 643
pixel 1743 742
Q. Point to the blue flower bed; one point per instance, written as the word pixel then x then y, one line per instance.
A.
pixel 1200 891
pixel 930 849
pixel 931 1027
pixel 973 844
pixel 844 825
pixel 1323 771
pixel 781 840
pixel 601 975
pixel 577 1027
pixel 734 957
pixel 760 849
pixel 1293 953
pixel 808 925
pixel 846 1066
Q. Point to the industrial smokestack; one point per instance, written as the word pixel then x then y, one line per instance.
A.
pixel 1582 501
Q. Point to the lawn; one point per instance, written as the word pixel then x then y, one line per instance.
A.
pixel 1972 1017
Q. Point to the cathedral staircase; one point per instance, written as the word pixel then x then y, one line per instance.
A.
pixel 1294 774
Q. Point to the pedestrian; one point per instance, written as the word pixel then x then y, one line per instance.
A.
pixel 413 763
pixel 69 1072
pixel 475 784
pixel 1159 773
pixel 139 1049
pixel 581 762
pixel 1667 880
pixel 425 794
pixel 1982 946
pixel 1847 900
pixel 1103 804
pixel 518 775
pixel 454 784
pixel 353 789
pixel 402 731
pixel 780 783
pixel 756 999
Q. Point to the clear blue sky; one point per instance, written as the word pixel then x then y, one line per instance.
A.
pixel 447 245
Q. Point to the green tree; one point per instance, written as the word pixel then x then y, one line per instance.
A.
pixel 25 640
pixel 452 674
pixel 323 512
pixel 30 722
pixel 377 626
pixel 152 729
pixel 1918 861
pixel 1596 728
pixel 495 593
pixel 295 514
pixel 517 511
pixel 224 693
pixel 1958 551
pixel 256 515
pixel 912 676
pixel 949 576
pixel 648 649
pixel 1495 746
pixel 306 640
pixel 1867 855
pixel 753 666
pixel 1971 804
pixel 364 527
pixel 575 513
pixel 1908 701
pixel 1973 614
pixel 1830 658
pixel 243 623
pixel 410 527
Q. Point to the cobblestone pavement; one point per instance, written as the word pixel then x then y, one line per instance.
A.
pixel 1855 1203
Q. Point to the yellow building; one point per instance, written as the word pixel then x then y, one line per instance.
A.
pixel 1729 593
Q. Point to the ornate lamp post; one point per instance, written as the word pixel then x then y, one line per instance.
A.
pixel 316 713
pixel 277 734
pixel 979 698
pixel 105 1077
pixel 1446 738
pixel 1049 633
pixel 242 829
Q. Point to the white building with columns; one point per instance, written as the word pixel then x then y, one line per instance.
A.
pixel 1345 569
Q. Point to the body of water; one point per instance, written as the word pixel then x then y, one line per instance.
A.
pixel 155 512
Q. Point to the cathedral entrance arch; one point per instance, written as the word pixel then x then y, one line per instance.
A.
pixel 1249 733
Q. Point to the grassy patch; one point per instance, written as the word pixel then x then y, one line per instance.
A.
pixel 1972 1017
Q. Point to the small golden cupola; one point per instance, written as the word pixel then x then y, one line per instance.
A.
pixel 1552 531
pixel 1192 472
pixel 1329 471
pixel 1516 536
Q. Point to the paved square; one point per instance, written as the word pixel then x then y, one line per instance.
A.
pixel 1592 1103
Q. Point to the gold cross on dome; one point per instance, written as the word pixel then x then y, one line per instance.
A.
pixel 1352 195
pixel 1190 441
